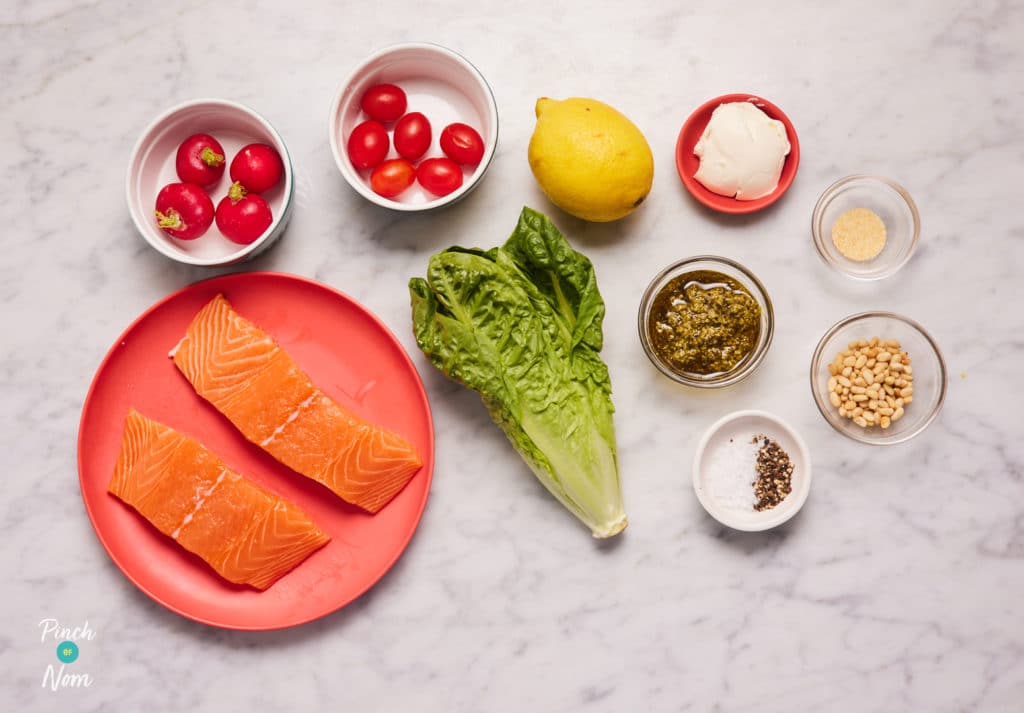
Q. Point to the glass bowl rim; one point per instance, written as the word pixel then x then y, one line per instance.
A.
pixel 822 404
pixel 829 193
pixel 726 378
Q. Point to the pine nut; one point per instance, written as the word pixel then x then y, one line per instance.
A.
pixel 871 382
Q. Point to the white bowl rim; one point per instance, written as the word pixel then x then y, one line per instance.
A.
pixel 773 517
pixel 341 159
pixel 857 435
pixel 271 233
pixel 818 239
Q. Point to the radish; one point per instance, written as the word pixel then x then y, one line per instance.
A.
pixel 242 216
pixel 183 210
pixel 200 160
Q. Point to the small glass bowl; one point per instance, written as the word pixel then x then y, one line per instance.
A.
pixel 744 277
pixel 929 374
pixel 885 198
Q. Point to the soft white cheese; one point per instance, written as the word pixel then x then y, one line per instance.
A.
pixel 741 152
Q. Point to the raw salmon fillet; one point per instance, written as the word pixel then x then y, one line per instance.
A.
pixel 249 378
pixel 249 535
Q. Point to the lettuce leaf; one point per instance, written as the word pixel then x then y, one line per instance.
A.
pixel 521 325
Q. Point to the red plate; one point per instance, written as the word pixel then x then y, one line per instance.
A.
pixel 351 355
pixel 687 163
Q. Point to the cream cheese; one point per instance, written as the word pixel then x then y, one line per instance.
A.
pixel 741 152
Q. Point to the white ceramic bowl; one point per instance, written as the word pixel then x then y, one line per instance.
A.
pixel 151 167
pixel 438 82
pixel 735 430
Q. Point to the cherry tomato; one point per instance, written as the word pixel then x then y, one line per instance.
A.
pixel 242 216
pixel 368 144
pixel 412 136
pixel 257 167
pixel 384 102
pixel 392 177
pixel 183 210
pixel 200 160
pixel 462 144
pixel 439 176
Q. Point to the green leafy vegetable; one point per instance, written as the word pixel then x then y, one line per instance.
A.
pixel 521 325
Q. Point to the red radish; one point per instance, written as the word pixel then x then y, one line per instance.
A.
pixel 384 102
pixel 392 177
pixel 183 210
pixel 439 176
pixel 241 216
pixel 368 144
pixel 412 136
pixel 200 160
pixel 257 167
pixel 462 144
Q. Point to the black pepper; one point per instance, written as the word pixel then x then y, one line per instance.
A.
pixel 774 474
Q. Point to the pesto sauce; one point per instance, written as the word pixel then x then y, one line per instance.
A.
pixel 703 322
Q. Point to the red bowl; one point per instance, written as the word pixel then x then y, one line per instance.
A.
pixel 687 163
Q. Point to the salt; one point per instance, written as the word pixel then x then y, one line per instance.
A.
pixel 731 471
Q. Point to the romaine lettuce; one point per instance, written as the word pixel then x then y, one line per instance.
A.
pixel 521 325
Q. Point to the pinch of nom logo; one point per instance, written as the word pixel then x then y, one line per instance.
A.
pixel 67 642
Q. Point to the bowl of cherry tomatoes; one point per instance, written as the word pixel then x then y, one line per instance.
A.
pixel 414 127
pixel 210 183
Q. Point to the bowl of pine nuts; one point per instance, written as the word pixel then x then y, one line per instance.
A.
pixel 878 378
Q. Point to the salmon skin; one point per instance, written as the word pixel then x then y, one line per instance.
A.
pixel 247 534
pixel 256 384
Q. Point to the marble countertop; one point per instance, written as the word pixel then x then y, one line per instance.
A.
pixel 897 588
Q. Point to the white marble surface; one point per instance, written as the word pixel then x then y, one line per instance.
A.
pixel 898 588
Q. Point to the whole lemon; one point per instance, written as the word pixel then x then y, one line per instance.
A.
pixel 590 160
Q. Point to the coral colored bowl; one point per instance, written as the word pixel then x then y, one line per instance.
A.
pixel 687 163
